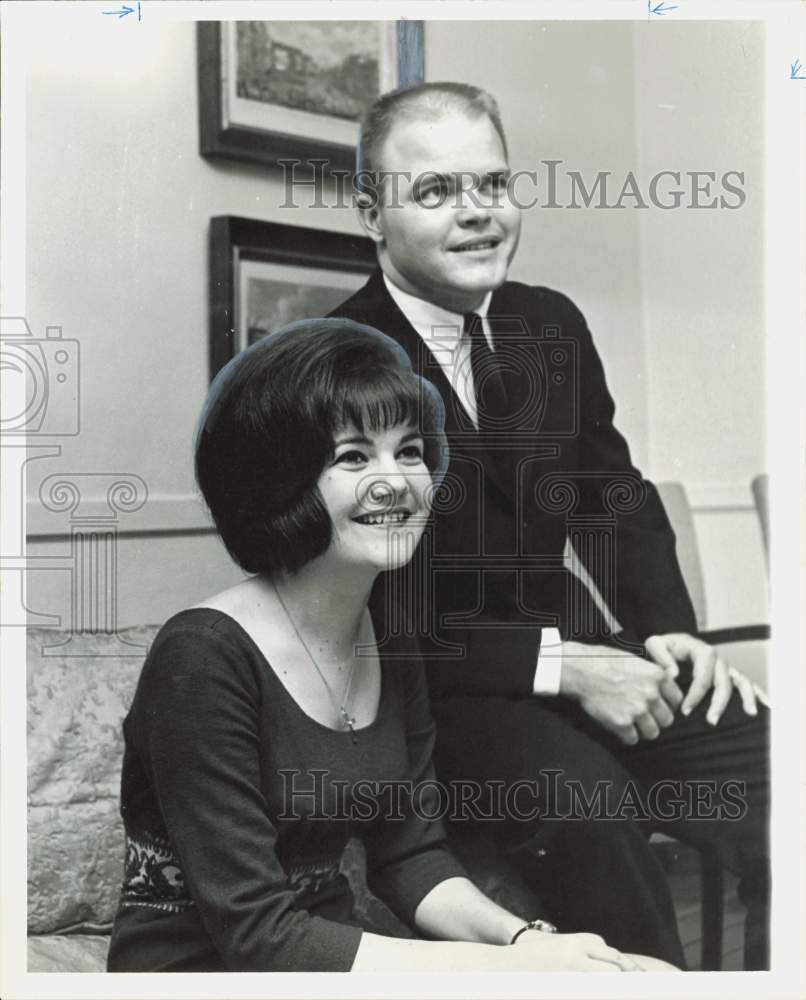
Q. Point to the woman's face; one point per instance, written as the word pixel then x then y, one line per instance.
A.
pixel 377 491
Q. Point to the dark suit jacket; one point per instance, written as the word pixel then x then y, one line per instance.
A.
pixel 489 572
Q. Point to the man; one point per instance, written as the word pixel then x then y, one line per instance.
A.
pixel 534 454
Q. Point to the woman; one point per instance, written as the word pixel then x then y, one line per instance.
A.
pixel 263 711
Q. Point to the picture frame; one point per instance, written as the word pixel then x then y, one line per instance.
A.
pixel 271 90
pixel 266 274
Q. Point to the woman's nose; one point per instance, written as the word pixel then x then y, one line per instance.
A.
pixel 385 488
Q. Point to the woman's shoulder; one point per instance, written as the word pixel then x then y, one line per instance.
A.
pixel 200 642
pixel 197 625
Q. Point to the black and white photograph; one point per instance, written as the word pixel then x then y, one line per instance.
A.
pixel 402 469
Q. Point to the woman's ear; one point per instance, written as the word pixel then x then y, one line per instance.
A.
pixel 369 215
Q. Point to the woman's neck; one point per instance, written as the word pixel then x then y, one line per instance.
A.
pixel 324 604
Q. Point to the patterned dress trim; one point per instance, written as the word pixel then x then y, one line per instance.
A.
pixel 313 876
pixel 153 876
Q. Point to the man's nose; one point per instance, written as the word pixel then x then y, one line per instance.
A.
pixel 472 209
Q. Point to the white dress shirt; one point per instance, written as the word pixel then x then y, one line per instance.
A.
pixel 441 331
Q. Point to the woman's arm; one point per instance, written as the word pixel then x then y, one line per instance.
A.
pixel 534 952
pixel 459 913
pixel 455 910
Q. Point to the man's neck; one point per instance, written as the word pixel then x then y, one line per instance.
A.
pixel 459 306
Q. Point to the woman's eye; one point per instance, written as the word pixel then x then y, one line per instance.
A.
pixel 351 458
pixel 412 453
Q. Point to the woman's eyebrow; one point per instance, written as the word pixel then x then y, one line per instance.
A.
pixel 357 439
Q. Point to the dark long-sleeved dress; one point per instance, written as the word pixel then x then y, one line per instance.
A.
pixel 237 807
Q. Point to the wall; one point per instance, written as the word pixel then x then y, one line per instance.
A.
pixel 118 205
pixel 703 296
pixel 577 107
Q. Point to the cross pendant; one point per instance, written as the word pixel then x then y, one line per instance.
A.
pixel 349 723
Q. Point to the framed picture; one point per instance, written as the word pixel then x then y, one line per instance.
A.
pixel 273 90
pixel 266 274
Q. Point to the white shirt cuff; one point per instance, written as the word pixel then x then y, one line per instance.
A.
pixel 549 663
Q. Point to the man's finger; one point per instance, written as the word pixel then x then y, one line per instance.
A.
pixel 722 692
pixel 647 726
pixel 672 694
pixel 661 712
pixel 627 735
pixel 703 675
pixel 762 696
pixel 659 651
pixel 746 691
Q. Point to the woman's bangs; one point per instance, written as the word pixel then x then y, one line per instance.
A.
pixel 389 400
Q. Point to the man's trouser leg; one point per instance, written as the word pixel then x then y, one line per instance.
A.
pixel 595 875
pixel 722 773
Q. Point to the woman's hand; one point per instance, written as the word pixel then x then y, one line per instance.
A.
pixel 570 953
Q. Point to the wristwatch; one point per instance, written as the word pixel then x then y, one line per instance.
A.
pixel 534 925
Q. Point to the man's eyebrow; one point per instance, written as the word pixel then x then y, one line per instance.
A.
pixel 430 177
pixel 494 175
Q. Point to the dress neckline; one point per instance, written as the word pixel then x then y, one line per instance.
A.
pixel 244 634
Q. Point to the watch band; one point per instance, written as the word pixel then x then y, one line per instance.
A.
pixel 534 925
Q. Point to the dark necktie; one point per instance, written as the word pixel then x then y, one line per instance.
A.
pixel 488 384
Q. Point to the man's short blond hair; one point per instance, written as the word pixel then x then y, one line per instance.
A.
pixel 427 102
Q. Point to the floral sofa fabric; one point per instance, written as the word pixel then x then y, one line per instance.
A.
pixel 78 695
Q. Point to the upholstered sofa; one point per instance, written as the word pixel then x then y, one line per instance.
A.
pixel 79 689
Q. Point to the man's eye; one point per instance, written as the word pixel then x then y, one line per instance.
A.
pixel 432 195
pixel 495 185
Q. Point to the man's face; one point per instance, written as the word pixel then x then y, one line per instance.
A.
pixel 448 233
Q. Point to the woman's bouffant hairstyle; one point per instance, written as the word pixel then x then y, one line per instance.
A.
pixel 269 424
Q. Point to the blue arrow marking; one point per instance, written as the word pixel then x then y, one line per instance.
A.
pixel 122 12
pixel 659 8
pixel 794 70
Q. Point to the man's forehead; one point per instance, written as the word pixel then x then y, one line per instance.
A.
pixel 448 140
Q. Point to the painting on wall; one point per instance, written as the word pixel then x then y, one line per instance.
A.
pixel 275 90
pixel 265 274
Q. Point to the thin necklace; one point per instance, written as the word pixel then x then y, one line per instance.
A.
pixel 341 709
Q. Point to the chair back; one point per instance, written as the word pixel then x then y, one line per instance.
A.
pixel 760 488
pixel 678 511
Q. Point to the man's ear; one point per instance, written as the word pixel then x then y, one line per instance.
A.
pixel 369 215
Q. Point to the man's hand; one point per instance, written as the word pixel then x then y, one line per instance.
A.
pixel 629 696
pixel 709 671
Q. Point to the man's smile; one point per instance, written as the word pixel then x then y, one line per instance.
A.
pixel 476 244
